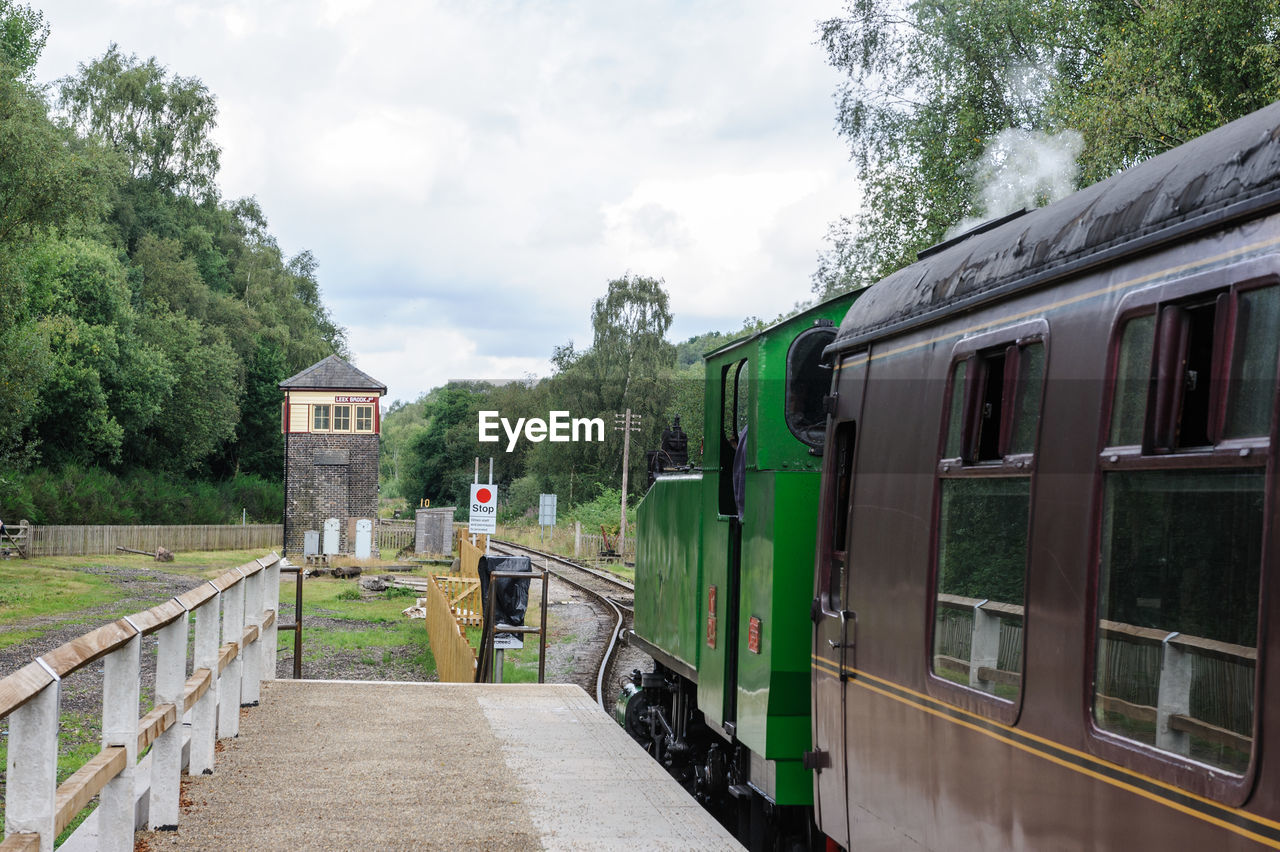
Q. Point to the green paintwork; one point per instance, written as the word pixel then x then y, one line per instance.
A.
pixel 683 548
pixel 671 566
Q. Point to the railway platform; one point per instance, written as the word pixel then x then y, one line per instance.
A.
pixel 360 765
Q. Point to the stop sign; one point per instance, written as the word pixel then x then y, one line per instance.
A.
pixel 484 510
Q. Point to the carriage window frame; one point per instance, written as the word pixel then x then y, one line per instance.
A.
pixel 1158 454
pixel 974 358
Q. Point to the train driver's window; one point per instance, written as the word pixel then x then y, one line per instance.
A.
pixel 1183 522
pixel 733 421
pixel 808 382
pixel 984 494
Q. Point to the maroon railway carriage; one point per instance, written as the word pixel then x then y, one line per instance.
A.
pixel 1045 585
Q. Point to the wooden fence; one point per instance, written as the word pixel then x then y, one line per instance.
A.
pixel 455 658
pixel 394 534
pixel 198 697
pixel 86 540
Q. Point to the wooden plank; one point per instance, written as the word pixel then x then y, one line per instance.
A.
pixel 197 685
pixel 81 651
pixel 1137 712
pixel 269 619
pixel 1122 632
pixel 198 596
pixel 21 843
pixel 250 635
pixel 1243 654
pixel 226 580
pixel 251 568
pixel 1211 733
pixel 21 686
pixel 75 793
pixel 155 723
pixel 151 620
pixel 999 676
pixel 226 654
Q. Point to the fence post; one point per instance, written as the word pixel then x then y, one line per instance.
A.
pixel 229 686
pixel 1174 696
pixel 204 715
pixel 985 648
pixel 577 539
pixel 31 773
pixel 120 682
pixel 249 692
pixel 166 756
pixel 271 603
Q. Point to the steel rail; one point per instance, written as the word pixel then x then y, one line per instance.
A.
pixel 604 599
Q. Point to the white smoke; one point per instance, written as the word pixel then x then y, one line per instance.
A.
pixel 1022 168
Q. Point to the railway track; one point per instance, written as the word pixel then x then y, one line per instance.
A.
pixel 614 600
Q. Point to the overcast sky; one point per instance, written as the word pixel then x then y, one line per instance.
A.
pixel 471 174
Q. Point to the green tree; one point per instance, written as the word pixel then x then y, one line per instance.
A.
pixel 932 84
pixel 161 124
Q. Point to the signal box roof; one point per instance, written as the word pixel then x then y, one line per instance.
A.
pixel 333 373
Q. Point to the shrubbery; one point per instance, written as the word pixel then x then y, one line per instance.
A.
pixel 79 495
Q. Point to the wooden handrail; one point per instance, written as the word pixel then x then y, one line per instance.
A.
pixel 988 606
pixel 27 692
pixel 21 843
pixel 150 620
pixel 21 686
pixel 76 792
pixel 197 685
pixel 82 650
pixel 197 597
pixel 155 723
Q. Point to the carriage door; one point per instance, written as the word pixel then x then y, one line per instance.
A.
pixel 835 626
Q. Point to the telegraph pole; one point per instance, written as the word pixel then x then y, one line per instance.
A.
pixel 626 424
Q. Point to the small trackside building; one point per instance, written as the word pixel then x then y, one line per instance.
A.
pixel 331 421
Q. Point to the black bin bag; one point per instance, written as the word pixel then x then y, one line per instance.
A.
pixel 511 595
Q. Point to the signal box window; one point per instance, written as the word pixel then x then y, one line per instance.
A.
pixel 1183 523
pixel 342 418
pixel 984 513
pixel 364 418
pixel 808 382
pixel 320 418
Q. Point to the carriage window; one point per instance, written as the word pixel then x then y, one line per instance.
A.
pixel 1253 373
pixel 808 382
pixel 984 512
pixel 1133 377
pixel 1178 611
pixel 1183 524
pixel 994 410
pixel 955 417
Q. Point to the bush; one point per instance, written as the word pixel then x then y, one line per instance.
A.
pixel 604 511
pixel 76 495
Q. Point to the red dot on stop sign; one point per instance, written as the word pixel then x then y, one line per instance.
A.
pixel 484 495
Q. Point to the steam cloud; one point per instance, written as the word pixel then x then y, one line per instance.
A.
pixel 1021 168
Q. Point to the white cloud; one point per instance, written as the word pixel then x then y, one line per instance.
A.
pixel 500 162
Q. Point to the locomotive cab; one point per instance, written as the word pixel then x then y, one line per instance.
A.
pixel 724 570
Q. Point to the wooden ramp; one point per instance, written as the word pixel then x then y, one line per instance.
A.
pixel 351 765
